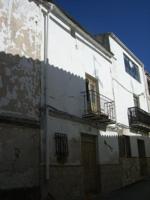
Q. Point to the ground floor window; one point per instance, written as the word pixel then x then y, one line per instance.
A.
pixel 124 146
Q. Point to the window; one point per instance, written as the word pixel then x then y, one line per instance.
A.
pixel 148 83
pixel 92 93
pixel 124 146
pixel 141 148
pixel 136 101
pixel 131 68
pixel 61 146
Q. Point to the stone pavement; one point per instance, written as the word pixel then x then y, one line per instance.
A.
pixel 137 191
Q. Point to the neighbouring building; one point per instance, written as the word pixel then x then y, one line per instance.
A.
pixel 74 108
pixel 147 81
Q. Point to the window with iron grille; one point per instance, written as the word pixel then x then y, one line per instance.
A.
pixel 61 146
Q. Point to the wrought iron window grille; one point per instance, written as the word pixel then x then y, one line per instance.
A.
pixel 61 146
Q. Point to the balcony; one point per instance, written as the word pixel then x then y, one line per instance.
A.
pixel 98 108
pixel 139 120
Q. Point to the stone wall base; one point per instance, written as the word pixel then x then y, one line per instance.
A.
pixel 110 177
pixel 130 170
pixel 65 183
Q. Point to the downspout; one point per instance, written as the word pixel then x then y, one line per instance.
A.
pixel 46 64
pixel 46 110
pixel 44 117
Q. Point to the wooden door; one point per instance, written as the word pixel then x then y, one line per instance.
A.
pixel 142 157
pixel 89 163
pixel 92 93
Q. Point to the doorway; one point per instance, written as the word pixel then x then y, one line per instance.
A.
pixel 142 157
pixel 89 163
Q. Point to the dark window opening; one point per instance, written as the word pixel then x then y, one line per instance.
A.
pixel 148 83
pixel 61 146
pixel 136 101
pixel 131 68
pixel 124 146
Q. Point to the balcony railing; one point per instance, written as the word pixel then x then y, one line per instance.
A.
pixel 139 120
pixel 97 107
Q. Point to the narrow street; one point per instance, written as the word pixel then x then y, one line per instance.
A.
pixel 138 191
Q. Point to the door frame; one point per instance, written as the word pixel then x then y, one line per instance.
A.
pixel 142 157
pixel 98 180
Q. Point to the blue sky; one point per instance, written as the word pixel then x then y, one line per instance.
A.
pixel 128 19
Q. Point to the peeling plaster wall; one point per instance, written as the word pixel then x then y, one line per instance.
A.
pixel 21 28
pixel 19 86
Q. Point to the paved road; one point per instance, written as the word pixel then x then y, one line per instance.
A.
pixel 138 191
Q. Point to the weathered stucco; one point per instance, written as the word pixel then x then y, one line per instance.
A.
pixel 19 85
pixel 21 26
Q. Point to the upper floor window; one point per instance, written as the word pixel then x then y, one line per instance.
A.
pixel 131 68
pixel 148 83
pixel 136 101
pixel 92 92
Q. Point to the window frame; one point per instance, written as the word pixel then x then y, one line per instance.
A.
pixel 132 71
pixel 136 101
pixel 148 85
pixel 125 146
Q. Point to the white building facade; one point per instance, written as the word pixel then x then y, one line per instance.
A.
pixel 88 108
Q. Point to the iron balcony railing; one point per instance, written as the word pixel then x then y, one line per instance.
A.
pixel 98 106
pixel 139 119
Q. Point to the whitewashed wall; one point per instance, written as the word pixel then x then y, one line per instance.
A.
pixel 22 32
pixel 124 84
pixel 75 56
pixel 73 130
pixel 108 147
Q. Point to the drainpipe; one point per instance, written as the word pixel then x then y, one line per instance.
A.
pixel 44 114
pixel 46 64
pixel 45 92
